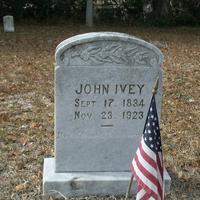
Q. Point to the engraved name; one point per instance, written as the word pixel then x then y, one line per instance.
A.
pixel 110 89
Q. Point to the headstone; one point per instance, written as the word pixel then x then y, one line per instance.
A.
pixel 103 89
pixel 89 13
pixel 8 23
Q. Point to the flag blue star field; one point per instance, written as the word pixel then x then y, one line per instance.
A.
pixel 147 164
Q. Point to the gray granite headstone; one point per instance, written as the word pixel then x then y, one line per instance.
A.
pixel 103 88
pixel 8 23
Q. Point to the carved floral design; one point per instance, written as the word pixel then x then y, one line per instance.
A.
pixel 100 53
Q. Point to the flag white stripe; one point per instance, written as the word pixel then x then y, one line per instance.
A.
pixel 140 194
pixel 148 167
pixel 148 151
pixel 143 178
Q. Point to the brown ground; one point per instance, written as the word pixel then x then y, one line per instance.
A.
pixel 26 94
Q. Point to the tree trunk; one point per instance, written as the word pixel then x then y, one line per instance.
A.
pixel 161 8
pixel 89 13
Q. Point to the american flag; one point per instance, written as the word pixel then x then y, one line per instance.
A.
pixel 147 164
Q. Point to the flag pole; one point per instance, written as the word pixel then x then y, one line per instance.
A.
pixel 155 87
pixel 129 187
pixel 154 91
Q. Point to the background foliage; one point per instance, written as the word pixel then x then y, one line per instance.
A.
pixel 156 12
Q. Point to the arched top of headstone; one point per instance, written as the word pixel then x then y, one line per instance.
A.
pixel 107 49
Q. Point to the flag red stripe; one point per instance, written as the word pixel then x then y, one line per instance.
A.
pixel 147 158
pixel 141 183
pixel 139 188
pixel 145 172
pixel 156 165
pixel 148 175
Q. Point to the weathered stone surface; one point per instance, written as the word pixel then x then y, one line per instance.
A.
pixel 84 184
pixel 103 91
pixel 107 49
pixel 8 23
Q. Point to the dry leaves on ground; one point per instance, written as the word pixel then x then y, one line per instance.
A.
pixel 26 94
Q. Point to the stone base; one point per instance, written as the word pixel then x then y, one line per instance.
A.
pixel 87 183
